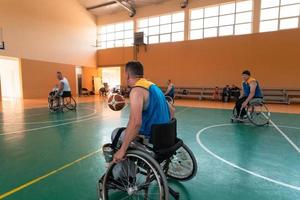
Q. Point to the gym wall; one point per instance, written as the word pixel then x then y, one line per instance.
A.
pixel 273 57
pixel 39 77
pixel 48 36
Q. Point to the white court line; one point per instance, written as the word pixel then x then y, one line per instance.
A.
pixel 283 134
pixel 236 166
pixel 43 122
pixel 181 111
pixel 50 126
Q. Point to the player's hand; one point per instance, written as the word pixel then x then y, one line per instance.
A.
pixel 244 105
pixel 119 156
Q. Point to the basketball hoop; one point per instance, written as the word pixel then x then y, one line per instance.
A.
pixel 2 44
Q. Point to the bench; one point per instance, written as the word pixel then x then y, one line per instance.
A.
pixel 275 96
pixel 293 96
pixel 280 96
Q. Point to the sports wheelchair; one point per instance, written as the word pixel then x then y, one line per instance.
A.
pixel 61 103
pixel 143 172
pixel 170 99
pixel 256 112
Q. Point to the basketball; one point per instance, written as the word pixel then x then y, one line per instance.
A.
pixel 116 102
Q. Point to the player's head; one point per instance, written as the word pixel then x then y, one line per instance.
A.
pixel 246 75
pixel 133 71
pixel 169 81
pixel 59 75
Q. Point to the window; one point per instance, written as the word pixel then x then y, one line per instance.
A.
pixel 115 35
pixel 279 14
pixel 165 28
pixel 233 18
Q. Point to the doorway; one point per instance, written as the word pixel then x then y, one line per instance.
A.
pixel 78 73
pixel 10 77
pixel 112 76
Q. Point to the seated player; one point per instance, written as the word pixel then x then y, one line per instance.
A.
pixel 235 92
pixel 250 90
pixel 64 89
pixel 148 106
pixel 216 94
pixel 170 90
pixel 54 91
pixel 226 94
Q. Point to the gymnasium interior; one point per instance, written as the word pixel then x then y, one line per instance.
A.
pixel 51 148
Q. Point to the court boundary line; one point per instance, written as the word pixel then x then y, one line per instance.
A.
pixel 235 165
pixel 181 111
pixel 49 126
pixel 54 121
pixel 283 134
pixel 40 178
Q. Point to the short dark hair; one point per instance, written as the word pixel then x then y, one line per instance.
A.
pixel 58 72
pixel 135 68
pixel 246 72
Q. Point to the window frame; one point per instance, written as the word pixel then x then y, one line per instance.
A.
pixel 234 24
pixel 115 40
pixel 160 24
pixel 278 18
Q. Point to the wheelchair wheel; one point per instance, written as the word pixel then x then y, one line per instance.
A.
pixel 258 114
pixel 138 176
pixel 170 100
pixel 70 103
pixel 234 113
pixel 53 104
pixel 182 165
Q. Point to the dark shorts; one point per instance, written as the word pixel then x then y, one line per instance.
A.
pixel 66 94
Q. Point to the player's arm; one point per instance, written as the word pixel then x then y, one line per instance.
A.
pixel 60 88
pixel 134 123
pixel 253 86
pixel 242 92
pixel 168 89
pixel 172 110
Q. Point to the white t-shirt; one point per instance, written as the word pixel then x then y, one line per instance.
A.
pixel 66 85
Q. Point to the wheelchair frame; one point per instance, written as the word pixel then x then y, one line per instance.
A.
pixel 251 115
pixel 61 103
pixel 158 159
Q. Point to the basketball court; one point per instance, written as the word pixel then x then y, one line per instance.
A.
pixel 51 149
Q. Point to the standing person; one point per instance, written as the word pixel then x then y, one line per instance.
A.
pixel 170 92
pixel 250 90
pixel 226 94
pixel 148 106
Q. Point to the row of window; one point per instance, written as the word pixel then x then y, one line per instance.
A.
pixel 234 18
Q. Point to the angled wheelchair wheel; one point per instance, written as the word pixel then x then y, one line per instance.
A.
pixel 258 114
pixel 170 100
pixel 70 103
pixel 182 165
pixel 53 104
pixel 138 176
pixel 235 115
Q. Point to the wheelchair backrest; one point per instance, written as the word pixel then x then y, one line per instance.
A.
pixel 164 135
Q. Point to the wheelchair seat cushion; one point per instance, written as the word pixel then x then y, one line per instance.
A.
pixel 256 101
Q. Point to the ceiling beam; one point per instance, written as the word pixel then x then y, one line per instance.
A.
pixel 101 5
pixel 122 3
pixel 127 6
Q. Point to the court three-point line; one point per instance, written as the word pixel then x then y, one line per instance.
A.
pixel 284 135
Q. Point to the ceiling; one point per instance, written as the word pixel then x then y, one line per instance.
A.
pixel 115 7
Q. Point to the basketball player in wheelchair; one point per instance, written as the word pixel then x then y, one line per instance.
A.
pixel 250 106
pixel 60 98
pixel 147 151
